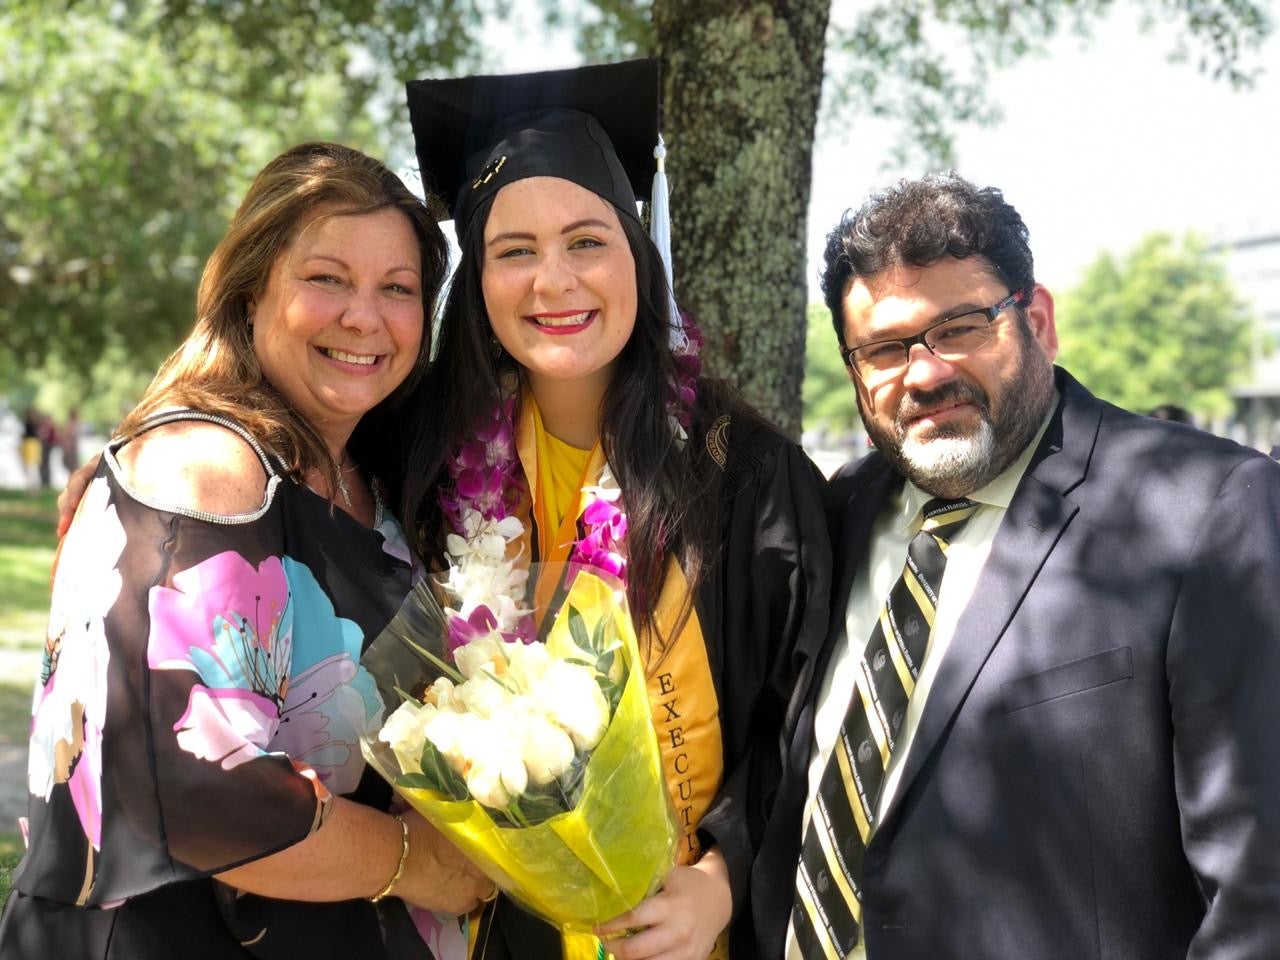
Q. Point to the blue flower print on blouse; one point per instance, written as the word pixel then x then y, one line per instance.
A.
pixel 332 699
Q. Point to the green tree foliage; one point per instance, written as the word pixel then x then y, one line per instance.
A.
pixel 829 403
pixel 123 163
pixel 1162 324
pixel 131 127
pixel 131 130
pixel 742 84
pixel 927 63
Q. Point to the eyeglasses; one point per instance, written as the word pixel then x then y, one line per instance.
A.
pixel 952 338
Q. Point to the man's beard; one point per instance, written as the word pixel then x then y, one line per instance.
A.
pixel 954 461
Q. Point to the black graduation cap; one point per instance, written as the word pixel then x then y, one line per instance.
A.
pixel 596 126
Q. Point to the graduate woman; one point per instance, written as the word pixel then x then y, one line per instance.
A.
pixel 560 320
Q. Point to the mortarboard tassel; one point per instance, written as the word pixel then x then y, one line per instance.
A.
pixel 660 233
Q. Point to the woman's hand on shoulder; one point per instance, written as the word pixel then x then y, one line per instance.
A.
pixel 679 922
pixel 71 495
pixel 195 465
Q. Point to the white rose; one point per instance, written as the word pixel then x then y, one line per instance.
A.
pixel 449 732
pixel 484 696
pixel 441 695
pixel 569 695
pixel 496 775
pixel 482 654
pixel 404 732
pixel 527 663
pixel 546 749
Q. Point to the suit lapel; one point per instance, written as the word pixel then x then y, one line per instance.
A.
pixel 858 503
pixel 1037 516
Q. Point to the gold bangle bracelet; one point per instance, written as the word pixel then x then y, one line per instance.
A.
pixel 404 858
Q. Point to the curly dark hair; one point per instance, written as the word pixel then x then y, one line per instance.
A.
pixel 917 223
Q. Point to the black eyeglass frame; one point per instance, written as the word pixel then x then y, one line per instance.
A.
pixel 991 313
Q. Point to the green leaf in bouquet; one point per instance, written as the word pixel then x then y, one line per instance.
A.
pixel 436 775
pixel 445 668
pixel 602 641
pixel 608 640
pixel 605 639
pixel 612 690
pixel 571 781
pixel 578 630
pixel 406 696
pixel 533 807
pixel 598 638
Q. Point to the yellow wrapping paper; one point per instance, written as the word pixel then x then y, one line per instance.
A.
pixel 615 847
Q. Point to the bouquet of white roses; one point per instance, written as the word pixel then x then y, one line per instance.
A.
pixel 537 759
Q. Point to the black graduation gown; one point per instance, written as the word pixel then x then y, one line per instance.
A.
pixel 766 595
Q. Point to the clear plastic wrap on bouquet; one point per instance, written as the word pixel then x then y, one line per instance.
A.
pixel 592 833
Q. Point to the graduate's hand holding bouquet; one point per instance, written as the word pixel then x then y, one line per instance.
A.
pixel 536 757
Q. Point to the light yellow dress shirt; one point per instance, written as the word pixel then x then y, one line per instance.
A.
pixel 898 522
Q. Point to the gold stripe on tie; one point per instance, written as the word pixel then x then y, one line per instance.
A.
pixel 922 598
pixel 816 921
pixel 875 720
pixel 896 654
pixel 840 872
pixel 860 815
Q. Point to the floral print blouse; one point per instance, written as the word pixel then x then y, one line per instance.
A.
pixel 201 699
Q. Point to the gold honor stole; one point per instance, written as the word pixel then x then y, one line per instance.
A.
pixel 686 711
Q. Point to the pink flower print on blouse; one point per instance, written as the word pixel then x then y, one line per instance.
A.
pixel 229 623
pixel 69 707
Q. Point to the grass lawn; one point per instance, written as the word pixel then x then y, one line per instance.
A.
pixel 27 544
pixel 10 854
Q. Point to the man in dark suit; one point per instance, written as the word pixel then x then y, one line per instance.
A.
pixel 1059 735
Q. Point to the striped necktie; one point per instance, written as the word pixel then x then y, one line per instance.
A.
pixel 828 908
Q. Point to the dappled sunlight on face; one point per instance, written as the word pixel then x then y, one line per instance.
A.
pixel 951 426
pixel 340 323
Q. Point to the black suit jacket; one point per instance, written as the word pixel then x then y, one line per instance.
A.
pixel 1096 773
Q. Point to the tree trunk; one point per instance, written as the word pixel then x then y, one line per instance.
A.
pixel 741 86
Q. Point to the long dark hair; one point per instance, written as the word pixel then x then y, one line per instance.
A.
pixel 665 486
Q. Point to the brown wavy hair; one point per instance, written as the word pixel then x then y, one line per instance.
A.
pixel 215 369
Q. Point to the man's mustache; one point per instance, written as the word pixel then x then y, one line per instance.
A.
pixel 919 402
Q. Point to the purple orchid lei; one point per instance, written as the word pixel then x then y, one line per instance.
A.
pixel 686 349
pixel 479 506
pixel 486 490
